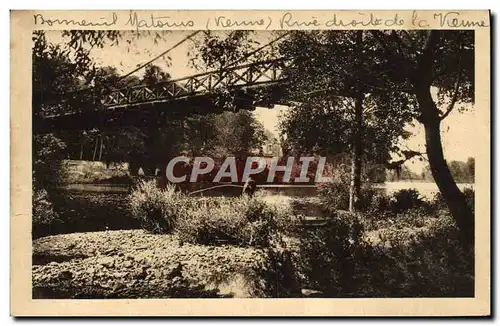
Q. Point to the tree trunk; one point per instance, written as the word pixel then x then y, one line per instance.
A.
pixel 454 198
pixel 95 147
pixel 81 149
pixel 100 149
pixel 356 161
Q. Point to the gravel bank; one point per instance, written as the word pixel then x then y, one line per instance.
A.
pixel 136 264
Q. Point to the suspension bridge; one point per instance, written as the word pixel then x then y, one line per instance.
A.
pixel 198 93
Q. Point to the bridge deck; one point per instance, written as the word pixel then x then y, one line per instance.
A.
pixel 192 94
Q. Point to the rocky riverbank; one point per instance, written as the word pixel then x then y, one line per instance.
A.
pixel 136 264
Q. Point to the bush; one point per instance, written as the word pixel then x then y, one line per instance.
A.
pixel 242 221
pixel 379 202
pixel 428 263
pixel 43 214
pixel 48 151
pixel 424 262
pixel 328 255
pixel 469 194
pixel 406 199
pixel 156 209
pixel 439 203
pixel 277 274
pixel 335 196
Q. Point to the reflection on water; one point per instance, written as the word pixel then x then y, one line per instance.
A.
pixel 89 187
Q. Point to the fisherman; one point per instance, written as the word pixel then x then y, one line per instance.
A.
pixel 250 187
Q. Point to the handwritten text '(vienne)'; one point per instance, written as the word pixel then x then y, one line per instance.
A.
pixel 225 22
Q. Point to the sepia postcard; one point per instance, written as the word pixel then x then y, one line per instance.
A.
pixel 250 163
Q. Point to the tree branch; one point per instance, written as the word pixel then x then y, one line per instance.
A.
pixel 395 89
pixel 395 36
pixel 410 39
pixel 453 99
pixel 455 93
pixel 423 74
pixel 398 55
pixel 408 155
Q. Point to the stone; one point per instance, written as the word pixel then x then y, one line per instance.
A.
pixel 311 293
pixel 108 262
pixel 109 251
pixel 127 264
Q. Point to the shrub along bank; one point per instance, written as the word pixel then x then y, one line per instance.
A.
pixel 398 246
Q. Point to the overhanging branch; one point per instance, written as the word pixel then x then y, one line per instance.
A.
pixel 455 93
pixel 408 155
pixel 454 99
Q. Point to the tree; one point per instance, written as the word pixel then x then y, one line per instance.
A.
pixel 406 62
pixel 462 172
pixel 52 74
pixel 414 63
pixel 153 75
pixel 236 133
pixel 471 169
pixel 325 75
pixel 65 79
pixel 417 62
pixel 76 51
pixel 333 69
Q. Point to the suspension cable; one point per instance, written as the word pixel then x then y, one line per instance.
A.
pixel 160 55
pixel 257 50
pixel 136 69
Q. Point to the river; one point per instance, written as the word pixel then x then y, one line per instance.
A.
pixel 98 207
pixel 426 189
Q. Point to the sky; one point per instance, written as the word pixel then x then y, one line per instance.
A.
pixel 457 133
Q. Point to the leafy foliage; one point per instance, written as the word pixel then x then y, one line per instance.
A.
pixel 387 69
pixel 425 263
pixel 334 196
pixel 47 151
pixel 406 199
pixel 239 221
pixel 43 214
pixel 328 256
pixel 429 263
pixel 324 78
pixel 158 210
pixel 439 203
